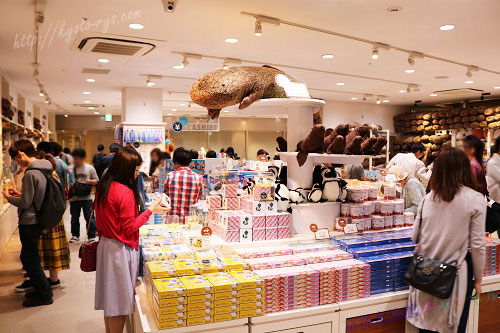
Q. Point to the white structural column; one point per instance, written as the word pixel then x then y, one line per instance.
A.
pixel 142 106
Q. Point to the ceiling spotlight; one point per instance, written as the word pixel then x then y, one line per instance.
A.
pixel 86 92
pixel 225 65
pixel 433 95
pixel 374 53
pixel 90 80
pixel 258 28
pixel 469 82
pixel 385 100
pixel 447 27
pixel 96 112
pixel 91 108
pixel 327 56
pixel 174 109
pixel 47 101
pixel 41 93
pixel 468 73
pixel 66 116
pixel 136 26
pixel 378 100
pixel 471 69
pixel 408 90
pixel 340 83
pixel 182 104
pixel 231 40
pixel 411 60
pixel 184 62
pixel 86 102
pixel 354 98
pixel 103 60
pixel 402 91
pixel 149 83
pixel 409 71
pixel 169 114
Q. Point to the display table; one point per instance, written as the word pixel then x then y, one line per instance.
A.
pixel 8 225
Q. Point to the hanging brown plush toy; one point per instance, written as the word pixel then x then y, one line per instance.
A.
pixel 313 143
pixel 354 140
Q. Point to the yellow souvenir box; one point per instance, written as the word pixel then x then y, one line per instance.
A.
pixel 226 294
pixel 251 306
pixel 169 309
pixel 168 288
pixel 161 269
pixel 226 302
pixel 222 282
pixel 166 302
pixel 170 324
pixel 199 298
pixel 200 313
pixel 200 321
pixel 226 316
pixel 251 313
pixel 226 309
pixel 186 267
pixel 196 285
pixel 247 279
pixel 251 298
pixel 234 263
pixel 200 306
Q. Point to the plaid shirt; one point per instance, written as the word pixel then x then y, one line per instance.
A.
pixel 184 187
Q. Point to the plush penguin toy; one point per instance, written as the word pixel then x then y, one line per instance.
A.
pixel 249 185
pixel 296 196
pixel 282 197
pixel 331 184
pixel 315 194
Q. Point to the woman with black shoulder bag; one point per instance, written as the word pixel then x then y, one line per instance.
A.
pixel 449 259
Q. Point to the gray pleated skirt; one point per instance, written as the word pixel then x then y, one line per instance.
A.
pixel 116 274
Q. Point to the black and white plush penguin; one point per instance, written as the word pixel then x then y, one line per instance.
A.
pixel 282 197
pixel 315 194
pixel 249 185
pixel 296 196
pixel 330 184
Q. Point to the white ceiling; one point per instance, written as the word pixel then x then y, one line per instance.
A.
pixel 200 26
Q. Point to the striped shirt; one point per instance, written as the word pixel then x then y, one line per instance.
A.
pixel 184 187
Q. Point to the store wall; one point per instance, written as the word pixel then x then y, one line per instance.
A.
pixel 335 113
pixel 94 138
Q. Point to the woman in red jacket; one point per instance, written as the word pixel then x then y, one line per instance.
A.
pixel 118 224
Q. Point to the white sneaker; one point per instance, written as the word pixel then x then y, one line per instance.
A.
pixel 74 239
pixel 94 239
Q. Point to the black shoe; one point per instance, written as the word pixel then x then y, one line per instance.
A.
pixel 54 284
pixel 26 275
pixel 32 302
pixel 30 294
pixel 25 287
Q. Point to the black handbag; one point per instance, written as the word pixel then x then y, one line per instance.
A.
pixel 79 189
pixel 431 276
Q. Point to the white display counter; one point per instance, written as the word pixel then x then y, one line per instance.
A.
pixel 8 225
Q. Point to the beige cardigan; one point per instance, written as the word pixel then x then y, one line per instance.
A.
pixel 448 230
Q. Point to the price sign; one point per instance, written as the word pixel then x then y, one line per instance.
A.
pixel 313 227
pixel 322 233
pixel 342 222
pixel 383 173
pixel 350 228
pixel 206 231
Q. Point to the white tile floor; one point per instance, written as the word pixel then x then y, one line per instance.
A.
pixel 73 307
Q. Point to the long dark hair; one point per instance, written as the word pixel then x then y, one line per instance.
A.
pixel 121 170
pixel 154 165
pixel 451 171
pixel 472 141
pixel 41 155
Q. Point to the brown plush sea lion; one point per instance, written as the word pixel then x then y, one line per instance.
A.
pixel 313 143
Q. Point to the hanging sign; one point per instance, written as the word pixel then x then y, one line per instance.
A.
pixel 177 127
pixel 200 124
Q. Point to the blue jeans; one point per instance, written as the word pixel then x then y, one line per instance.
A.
pixel 74 208
pixel 30 235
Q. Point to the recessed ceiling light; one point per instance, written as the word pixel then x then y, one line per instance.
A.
pixel 96 112
pixel 410 71
pixel 136 26
pixel 66 116
pixel 91 108
pixel 327 56
pixel 447 27
pixel 231 40
pixel 401 91
pixel 354 98
pixel 374 53
pixel 469 82
pixel 180 66
pixel 497 87
pixel 169 114
pixel 225 111
pixel 340 83
pixel 174 109
pixel 103 60
pixel 86 102
pixel 385 101
pixel 182 104
pixel 90 80
pixel 433 95
pixel 86 92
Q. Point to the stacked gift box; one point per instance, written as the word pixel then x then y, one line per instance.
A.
pixel 343 280
pixel 268 224
pixel 290 288
pixel 251 294
pixel 492 264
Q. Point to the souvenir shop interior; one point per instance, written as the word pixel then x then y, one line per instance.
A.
pixel 300 119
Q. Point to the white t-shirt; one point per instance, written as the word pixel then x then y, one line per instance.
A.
pixel 81 175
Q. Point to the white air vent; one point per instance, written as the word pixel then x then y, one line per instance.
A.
pixel 95 71
pixel 89 105
pixel 93 42
pixel 459 92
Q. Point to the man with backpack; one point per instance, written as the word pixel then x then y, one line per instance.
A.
pixel 97 160
pixel 40 206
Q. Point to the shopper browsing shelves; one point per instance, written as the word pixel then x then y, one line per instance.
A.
pixel 411 162
pixel 97 160
pixel 493 173
pixel 118 222
pixel 473 147
pixel 450 228
pixel 184 187
pixel 27 201
pixel 85 177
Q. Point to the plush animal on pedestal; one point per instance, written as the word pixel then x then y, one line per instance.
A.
pixel 249 185
pixel 282 197
pixel 334 143
pixel 315 194
pixel 241 85
pixel 313 143
pixel 296 196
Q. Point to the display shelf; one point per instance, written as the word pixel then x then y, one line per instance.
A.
pixel 322 214
pixel 8 224
pixel 301 176
pixel 217 242
pixel 143 321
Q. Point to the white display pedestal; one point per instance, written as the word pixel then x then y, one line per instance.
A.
pixel 322 214
pixel 299 113
pixel 8 225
